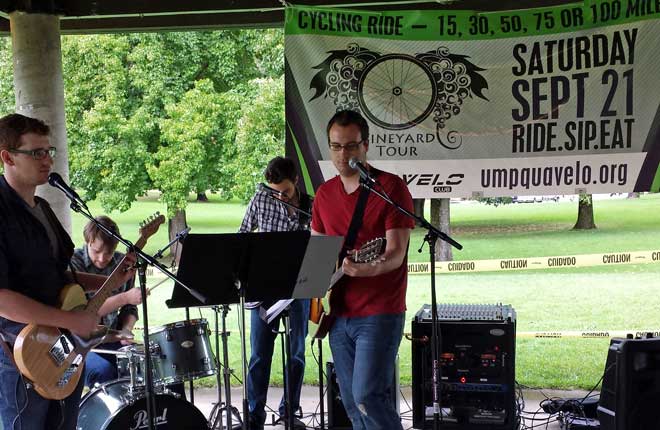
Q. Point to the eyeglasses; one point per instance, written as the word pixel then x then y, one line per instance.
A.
pixel 37 154
pixel 350 146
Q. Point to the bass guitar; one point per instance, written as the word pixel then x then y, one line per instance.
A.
pixel 52 358
pixel 368 252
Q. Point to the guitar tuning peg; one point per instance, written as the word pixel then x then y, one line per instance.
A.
pixel 157 213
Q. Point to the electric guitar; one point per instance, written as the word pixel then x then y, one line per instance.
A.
pixel 368 252
pixel 52 358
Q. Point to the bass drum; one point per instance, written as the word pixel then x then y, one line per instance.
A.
pixel 111 407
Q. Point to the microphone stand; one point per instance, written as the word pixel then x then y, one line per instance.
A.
pixel 179 236
pixel 143 259
pixel 289 205
pixel 432 235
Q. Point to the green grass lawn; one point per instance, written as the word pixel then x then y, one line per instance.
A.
pixel 595 298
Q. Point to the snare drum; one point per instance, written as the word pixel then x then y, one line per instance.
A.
pixel 111 406
pixel 184 350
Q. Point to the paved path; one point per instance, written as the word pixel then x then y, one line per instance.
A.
pixel 204 399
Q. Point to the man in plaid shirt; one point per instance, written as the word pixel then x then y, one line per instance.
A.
pixel 266 214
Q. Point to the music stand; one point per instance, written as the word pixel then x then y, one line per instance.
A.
pixel 263 266
pixel 313 274
pixel 201 252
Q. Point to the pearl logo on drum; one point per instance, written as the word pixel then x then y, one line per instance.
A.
pixel 141 421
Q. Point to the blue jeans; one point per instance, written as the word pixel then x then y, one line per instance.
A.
pixel 100 368
pixel 262 341
pixel 364 351
pixel 23 409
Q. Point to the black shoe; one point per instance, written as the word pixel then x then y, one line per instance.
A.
pixel 297 424
pixel 255 424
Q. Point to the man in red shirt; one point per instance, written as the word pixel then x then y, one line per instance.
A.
pixel 370 301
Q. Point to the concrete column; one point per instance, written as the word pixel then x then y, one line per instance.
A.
pixel 39 90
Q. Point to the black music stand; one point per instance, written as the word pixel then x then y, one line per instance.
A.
pixel 248 267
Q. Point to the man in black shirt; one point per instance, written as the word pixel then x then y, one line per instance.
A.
pixel 34 254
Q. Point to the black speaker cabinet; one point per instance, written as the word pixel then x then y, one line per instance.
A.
pixel 630 395
pixel 337 418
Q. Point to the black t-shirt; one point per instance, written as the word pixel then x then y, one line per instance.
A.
pixel 27 262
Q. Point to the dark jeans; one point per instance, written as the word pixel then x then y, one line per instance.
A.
pixel 24 409
pixel 364 351
pixel 262 340
pixel 101 368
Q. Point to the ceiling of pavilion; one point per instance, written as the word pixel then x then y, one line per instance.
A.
pixel 103 16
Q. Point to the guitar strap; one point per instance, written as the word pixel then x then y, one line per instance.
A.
pixel 356 223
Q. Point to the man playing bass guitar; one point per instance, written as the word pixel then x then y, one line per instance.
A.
pixel 369 301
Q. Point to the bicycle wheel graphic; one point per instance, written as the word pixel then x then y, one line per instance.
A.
pixel 397 91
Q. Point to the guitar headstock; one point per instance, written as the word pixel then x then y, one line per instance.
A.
pixel 150 226
pixel 370 251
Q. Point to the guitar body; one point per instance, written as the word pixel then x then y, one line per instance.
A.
pixel 369 252
pixel 51 358
pixel 315 310
pixel 326 321
pixel 41 355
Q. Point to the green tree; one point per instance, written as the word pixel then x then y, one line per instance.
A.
pixel 192 155
pixel 260 135
pixel 7 99
pixel 117 90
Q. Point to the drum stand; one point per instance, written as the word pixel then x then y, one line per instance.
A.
pixel 215 418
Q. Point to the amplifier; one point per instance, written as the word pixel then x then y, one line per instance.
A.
pixel 477 367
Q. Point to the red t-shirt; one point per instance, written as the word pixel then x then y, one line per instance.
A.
pixel 332 213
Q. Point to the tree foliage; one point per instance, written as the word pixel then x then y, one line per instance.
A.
pixel 7 99
pixel 260 135
pixel 163 110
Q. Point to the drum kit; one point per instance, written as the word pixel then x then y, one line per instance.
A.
pixel 180 352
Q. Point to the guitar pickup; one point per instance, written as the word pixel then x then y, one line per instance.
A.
pixel 60 350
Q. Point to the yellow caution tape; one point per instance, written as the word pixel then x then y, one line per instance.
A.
pixel 587 334
pixel 531 263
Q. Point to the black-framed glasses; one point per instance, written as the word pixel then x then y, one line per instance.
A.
pixel 350 146
pixel 37 154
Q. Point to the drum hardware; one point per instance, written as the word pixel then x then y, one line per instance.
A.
pixel 220 408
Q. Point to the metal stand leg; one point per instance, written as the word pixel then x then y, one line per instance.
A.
pixel 319 342
pixel 215 418
pixel 190 383
pixel 246 406
pixel 288 374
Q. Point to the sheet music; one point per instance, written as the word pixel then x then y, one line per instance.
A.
pixel 269 315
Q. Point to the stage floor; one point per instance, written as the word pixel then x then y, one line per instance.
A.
pixel 205 398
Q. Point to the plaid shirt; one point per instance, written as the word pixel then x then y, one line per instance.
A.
pixel 265 214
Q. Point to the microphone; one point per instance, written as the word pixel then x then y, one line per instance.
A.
pixel 181 236
pixel 355 164
pixel 55 180
pixel 272 191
